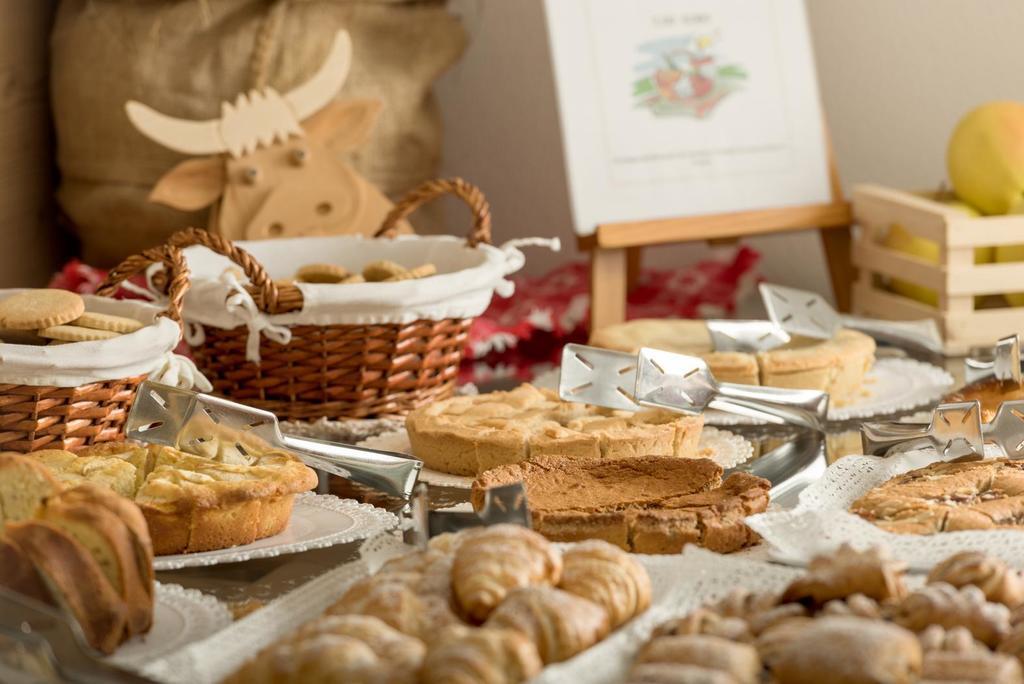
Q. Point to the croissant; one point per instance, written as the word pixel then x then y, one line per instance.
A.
pixel 559 623
pixel 851 650
pixel 608 576
pixel 705 621
pixel 391 598
pixel 855 604
pixel 956 639
pixel 673 673
pixel 350 648
pixel 847 572
pixel 945 605
pixel 1013 643
pixel 464 655
pixel 491 561
pixel 739 661
pixel 743 603
pixel 403 653
pixel 973 666
pixel 321 658
pixel 999 583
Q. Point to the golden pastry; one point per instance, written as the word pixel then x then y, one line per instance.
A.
pixel 492 561
pixel 846 572
pixel 559 623
pixel 944 605
pixel 609 577
pixel 999 583
pixel 462 655
pixel 739 661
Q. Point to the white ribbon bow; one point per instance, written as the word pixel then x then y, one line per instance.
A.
pixel 180 371
pixel 242 306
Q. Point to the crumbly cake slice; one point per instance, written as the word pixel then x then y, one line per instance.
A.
pixel 23 485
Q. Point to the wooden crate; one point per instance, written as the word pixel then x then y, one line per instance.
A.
pixel 956 278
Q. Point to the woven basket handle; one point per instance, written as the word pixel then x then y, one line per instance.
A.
pixel 176 272
pixel 467 192
pixel 269 296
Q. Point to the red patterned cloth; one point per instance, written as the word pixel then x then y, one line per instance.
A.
pixel 521 336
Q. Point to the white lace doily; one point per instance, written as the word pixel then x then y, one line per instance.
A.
pixel 723 447
pixel 679 583
pixel 180 617
pixel 821 520
pixel 318 521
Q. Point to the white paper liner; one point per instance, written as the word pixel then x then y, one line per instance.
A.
pixel 180 617
pixel 148 350
pixel 821 520
pixel 317 521
pixel 723 447
pixel 679 584
pixel 466 278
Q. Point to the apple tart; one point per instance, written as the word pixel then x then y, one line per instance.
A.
pixel 192 503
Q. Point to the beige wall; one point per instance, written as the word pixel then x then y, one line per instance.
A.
pixel 895 76
pixel 29 248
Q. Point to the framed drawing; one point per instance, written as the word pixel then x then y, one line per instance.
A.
pixel 690 120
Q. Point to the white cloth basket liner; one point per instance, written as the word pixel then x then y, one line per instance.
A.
pixel 465 281
pixel 145 351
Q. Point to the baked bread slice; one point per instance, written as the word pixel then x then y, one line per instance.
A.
pixel 472 434
pixel 191 503
pixel 837 366
pixel 23 486
pixel 652 505
pixel 75 581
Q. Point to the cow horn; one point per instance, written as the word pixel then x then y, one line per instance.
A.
pixel 180 135
pixel 310 97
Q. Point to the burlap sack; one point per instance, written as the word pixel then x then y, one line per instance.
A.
pixel 184 57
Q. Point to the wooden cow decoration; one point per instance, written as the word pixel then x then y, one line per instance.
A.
pixel 276 169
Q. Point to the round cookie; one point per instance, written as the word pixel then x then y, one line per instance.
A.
pixel 322 274
pixel 34 309
pixel 71 333
pixel 376 271
pixel 99 321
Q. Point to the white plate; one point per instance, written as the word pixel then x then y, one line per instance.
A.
pixel 725 448
pixel 180 616
pixel 892 385
pixel 318 521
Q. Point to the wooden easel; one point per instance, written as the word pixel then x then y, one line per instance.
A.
pixel 615 248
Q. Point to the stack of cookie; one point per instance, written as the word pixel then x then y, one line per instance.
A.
pixel 56 317
pixel 374 272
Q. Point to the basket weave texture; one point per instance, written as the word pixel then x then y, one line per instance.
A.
pixel 338 371
pixel 34 417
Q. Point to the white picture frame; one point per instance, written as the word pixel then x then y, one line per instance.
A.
pixel 678 108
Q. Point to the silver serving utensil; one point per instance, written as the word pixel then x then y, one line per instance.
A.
pixel 677 382
pixel 728 335
pixel 1001 362
pixel 505 504
pixel 799 312
pixel 955 431
pixel 48 642
pixel 205 425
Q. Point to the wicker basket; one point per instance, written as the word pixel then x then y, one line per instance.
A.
pixel 338 371
pixel 34 417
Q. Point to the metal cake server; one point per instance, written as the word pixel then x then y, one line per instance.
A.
pixel 748 336
pixel 205 425
pixel 1001 362
pixel 504 504
pixel 956 430
pixel 677 382
pixel 799 312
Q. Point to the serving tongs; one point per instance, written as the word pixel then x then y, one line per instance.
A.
pixel 39 643
pixel 205 425
pixel 1001 362
pixel 677 382
pixel 799 312
pixel 955 430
